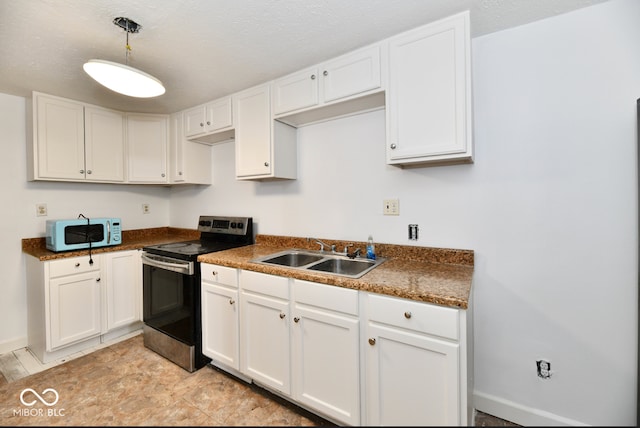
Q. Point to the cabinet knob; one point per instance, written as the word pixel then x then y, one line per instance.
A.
pixel 82 171
pixel 296 319
pixel 77 264
pixel 179 172
pixel 231 301
pixel 202 124
pixel 313 77
pixel 97 279
pixel 393 146
pixel 407 315
pixel 266 164
pixel 282 315
pixel 88 171
pixel 325 73
pixel 372 341
pixel 214 273
pixel 208 122
pixel 162 175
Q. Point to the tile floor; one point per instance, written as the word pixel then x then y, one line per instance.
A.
pixel 122 383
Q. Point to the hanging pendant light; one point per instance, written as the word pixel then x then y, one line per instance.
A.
pixel 122 78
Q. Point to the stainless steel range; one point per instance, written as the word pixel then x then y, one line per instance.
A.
pixel 171 290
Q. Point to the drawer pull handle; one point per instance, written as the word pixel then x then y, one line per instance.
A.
pixel 77 264
pixel 296 319
pixel 372 341
pixel 282 315
pixel 231 301
pixel 97 279
pixel 214 273
pixel 407 315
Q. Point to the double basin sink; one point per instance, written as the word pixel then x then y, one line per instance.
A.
pixel 317 261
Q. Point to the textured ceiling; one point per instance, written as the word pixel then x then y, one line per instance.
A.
pixel 205 49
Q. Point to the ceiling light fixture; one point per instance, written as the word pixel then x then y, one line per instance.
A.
pixel 122 78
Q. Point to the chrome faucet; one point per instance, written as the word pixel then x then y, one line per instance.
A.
pixel 322 244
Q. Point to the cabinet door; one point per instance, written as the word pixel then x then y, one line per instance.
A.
pixel 296 91
pixel 351 74
pixel 218 115
pixel 74 309
pixel 60 138
pixel 252 115
pixel 104 144
pixel 264 330
pixel 123 287
pixel 412 379
pixel 428 102
pixel 220 324
pixel 147 138
pixel 194 121
pixel 326 362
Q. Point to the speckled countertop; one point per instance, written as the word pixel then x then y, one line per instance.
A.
pixel 131 240
pixel 433 275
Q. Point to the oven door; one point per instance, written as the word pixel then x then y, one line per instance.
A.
pixel 170 296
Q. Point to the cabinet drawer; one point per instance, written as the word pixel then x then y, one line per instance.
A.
pixel 271 285
pixel 72 266
pixel 412 315
pixel 326 296
pixel 219 274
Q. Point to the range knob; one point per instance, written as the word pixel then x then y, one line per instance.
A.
pixel 233 225
pixel 240 225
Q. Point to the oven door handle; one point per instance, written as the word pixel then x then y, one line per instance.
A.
pixel 185 267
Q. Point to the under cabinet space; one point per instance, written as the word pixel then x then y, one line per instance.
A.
pixel 210 123
pixel 348 84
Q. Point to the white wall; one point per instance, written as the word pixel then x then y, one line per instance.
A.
pixel 550 208
pixel 18 218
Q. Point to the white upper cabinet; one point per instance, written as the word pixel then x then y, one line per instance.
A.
pixel 429 94
pixel 211 122
pixel 74 142
pixel 322 91
pixel 147 137
pixel 189 161
pixel 265 149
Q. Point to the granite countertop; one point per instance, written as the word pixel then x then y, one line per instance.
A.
pixel 131 240
pixel 432 275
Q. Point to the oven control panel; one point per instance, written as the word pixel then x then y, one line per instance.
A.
pixel 227 225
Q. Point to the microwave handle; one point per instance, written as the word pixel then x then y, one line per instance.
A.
pixel 108 232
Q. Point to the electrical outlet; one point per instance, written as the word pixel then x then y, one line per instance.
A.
pixel 413 232
pixel 544 368
pixel 391 207
pixel 146 209
pixel 41 210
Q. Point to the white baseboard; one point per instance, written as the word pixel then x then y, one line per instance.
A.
pixel 517 413
pixel 12 345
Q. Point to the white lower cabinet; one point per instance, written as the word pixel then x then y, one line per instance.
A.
pixel 220 315
pixel 265 342
pixel 123 289
pixel 413 363
pixel 77 302
pixel 353 357
pixel 326 357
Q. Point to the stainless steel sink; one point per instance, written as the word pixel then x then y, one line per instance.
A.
pixel 348 267
pixel 293 259
pixel 320 261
